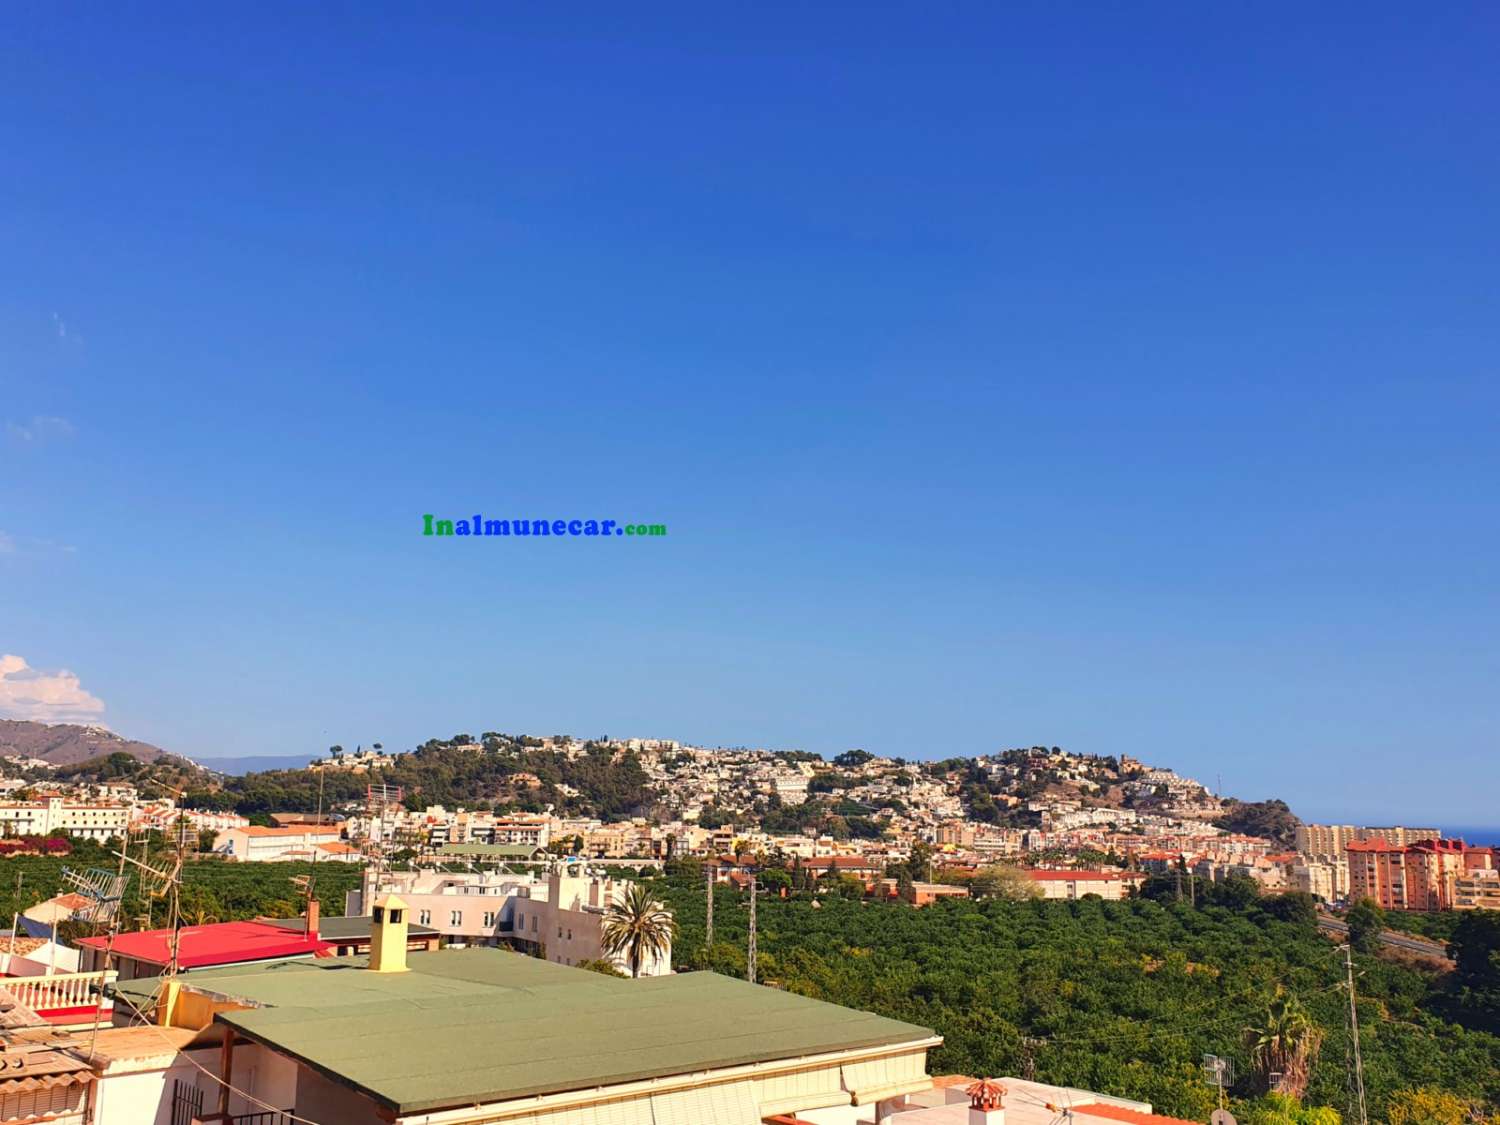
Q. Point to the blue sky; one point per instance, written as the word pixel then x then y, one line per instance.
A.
pixel 1118 379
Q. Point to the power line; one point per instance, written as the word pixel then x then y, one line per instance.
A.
pixel 1357 1072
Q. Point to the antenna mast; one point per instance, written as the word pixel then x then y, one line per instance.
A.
pixel 708 925
pixel 1357 1093
pixel 750 956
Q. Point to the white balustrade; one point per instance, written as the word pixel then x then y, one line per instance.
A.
pixel 59 991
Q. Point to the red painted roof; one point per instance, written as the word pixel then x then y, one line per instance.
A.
pixel 224 943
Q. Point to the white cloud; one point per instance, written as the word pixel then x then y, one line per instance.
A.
pixel 41 429
pixel 29 546
pixel 48 697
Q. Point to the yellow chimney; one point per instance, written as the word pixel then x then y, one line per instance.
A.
pixel 388 927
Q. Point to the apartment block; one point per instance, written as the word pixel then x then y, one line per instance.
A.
pixel 1333 839
pixel 93 820
pixel 1423 875
pixel 1477 890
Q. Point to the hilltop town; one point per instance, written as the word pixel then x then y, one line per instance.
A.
pixel 1077 823
pixel 475 871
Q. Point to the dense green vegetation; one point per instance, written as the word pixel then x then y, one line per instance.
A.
pixel 495 771
pixel 212 890
pixel 1271 819
pixel 1120 997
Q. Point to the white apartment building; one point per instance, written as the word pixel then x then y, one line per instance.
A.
pixel 791 787
pixel 560 915
pixel 93 820
pixel 255 844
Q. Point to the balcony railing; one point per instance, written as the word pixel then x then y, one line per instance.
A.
pixel 59 992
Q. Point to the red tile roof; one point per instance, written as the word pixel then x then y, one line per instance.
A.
pixel 1131 1116
pixel 224 943
pixel 296 830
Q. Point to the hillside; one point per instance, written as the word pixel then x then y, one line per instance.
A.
pixel 64 744
pixel 499 771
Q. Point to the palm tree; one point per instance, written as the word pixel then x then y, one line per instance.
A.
pixel 638 926
pixel 1285 1047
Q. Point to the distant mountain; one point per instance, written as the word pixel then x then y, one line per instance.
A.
pixel 63 744
pixel 257 763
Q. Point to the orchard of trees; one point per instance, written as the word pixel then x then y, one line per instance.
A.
pixel 1124 997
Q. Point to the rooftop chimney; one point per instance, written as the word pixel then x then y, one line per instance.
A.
pixel 311 926
pixel 986 1103
pixel 388 929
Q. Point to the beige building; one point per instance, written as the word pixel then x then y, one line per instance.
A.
pixel 1109 885
pixel 1477 890
pixel 1334 839
pixel 558 915
pixel 1328 881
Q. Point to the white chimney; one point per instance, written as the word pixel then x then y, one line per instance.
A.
pixel 986 1098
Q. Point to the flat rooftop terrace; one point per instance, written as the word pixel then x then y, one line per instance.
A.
pixel 466 1026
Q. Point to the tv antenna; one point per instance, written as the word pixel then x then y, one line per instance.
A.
pixel 1220 1072
pixel 380 800
pixel 103 888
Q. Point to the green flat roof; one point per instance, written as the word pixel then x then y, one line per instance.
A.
pixel 483 1025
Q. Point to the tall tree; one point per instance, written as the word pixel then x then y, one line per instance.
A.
pixel 1366 923
pixel 1284 1047
pixel 639 927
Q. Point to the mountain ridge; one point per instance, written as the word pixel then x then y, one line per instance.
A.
pixel 68 744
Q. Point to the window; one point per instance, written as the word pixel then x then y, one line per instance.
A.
pixel 520 921
pixel 456 918
pixel 424 917
pixel 489 918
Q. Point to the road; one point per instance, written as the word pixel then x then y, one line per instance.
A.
pixel 1392 938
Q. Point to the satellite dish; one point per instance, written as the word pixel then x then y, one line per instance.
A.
pixel 1221 1117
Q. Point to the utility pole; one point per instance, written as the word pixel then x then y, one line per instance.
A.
pixel 750 956
pixel 1358 1092
pixel 708 925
